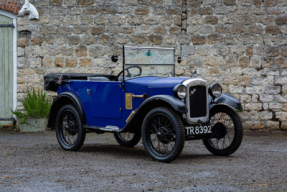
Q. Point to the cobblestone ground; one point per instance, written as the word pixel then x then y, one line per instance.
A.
pixel 35 162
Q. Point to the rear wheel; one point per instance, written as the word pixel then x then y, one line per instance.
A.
pixel 127 139
pixel 69 130
pixel 228 131
pixel 163 134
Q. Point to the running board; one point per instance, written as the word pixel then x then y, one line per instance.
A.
pixel 108 128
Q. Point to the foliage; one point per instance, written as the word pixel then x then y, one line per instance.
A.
pixel 35 105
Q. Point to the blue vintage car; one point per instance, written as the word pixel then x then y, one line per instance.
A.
pixel 145 100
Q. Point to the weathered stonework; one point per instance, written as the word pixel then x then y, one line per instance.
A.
pixel 239 44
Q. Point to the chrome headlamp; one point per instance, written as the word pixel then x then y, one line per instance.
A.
pixel 215 90
pixel 179 91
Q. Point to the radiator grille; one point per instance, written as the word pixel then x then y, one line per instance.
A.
pixel 197 102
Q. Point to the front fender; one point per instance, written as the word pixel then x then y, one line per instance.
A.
pixel 62 99
pixel 134 124
pixel 228 99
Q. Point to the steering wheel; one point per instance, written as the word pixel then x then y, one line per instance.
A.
pixel 128 72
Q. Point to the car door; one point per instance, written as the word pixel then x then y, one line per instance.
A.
pixel 106 99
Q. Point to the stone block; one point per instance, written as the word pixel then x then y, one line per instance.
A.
pixel 272 90
pixel 193 3
pixel 284 89
pixel 91 11
pixel 211 20
pixel 86 2
pixel 231 61
pixel 272 51
pixel 229 2
pixel 122 39
pixel 101 20
pixel 244 62
pixel 254 29
pixel 187 50
pixel 242 80
pixel 275 106
pixel 193 20
pixel 174 30
pixel 59 62
pixel 67 51
pixel 282 116
pixel 235 89
pixel 169 39
pixel 213 39
pixel 73 40
pixel 228 80
pixel 273 125
pixel 108 10
pixel 282 99
pixel 274 30
pixel 266 98
pixel 245 98
pixel 142 11
pixel 255 62
pixel 253 106
pixel 265 115
pixel 284 107
pixel 198 40
pixel 220 50
pixel 284 125
pixel 254 125
pixel 167 21
pixel 138 39
pixel 81 51
pixel 202 50
pixel 246 19
pixel 96 51
pixel 155 39
pixel 281 62
pixel 222 29
pixel 71 62
pixel 205 11
pixel 270 2
pixel 281 80
pixel 257 2
pixel 97 30
pixel 118 19
pixel 86 62
pixel 279 40
pixel 160 30
pixel 173 11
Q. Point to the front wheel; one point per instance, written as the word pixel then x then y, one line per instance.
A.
pixel 163 134
pixel 228 131
pixel 69 130
pixel 128 139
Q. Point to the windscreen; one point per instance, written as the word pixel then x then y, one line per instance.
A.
pixel 148 61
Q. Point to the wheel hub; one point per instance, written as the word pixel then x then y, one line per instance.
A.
pixel 163 136
pixel 69 127
pixel 219 130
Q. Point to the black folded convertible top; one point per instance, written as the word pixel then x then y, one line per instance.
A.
pixel 52 78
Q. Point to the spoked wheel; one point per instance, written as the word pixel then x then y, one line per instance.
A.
pixel 228 131
pixel 69 129
pixel 128 139
pixel 163 134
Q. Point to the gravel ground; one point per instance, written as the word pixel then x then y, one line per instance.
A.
pixel 35 162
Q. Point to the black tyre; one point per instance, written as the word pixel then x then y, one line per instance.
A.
pixel 228 131
pixel 163 134
pixel 69 130
pixel 128 139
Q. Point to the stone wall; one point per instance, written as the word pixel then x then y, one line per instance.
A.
pixel 238 43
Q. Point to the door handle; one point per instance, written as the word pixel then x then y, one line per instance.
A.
pixel 88 91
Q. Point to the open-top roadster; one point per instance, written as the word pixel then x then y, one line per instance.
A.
pixel 145 101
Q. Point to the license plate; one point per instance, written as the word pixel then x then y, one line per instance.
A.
pixel 197 130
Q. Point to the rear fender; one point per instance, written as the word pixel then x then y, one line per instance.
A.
pixel 134 124
pixel 62 99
